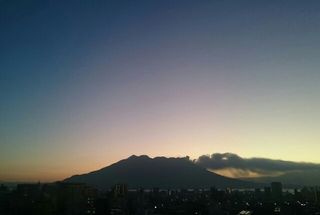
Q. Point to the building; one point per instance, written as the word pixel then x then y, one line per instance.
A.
pixel 276 191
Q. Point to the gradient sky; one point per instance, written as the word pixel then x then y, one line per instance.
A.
pixel 88 82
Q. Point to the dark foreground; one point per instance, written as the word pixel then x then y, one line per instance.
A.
pixel 79 199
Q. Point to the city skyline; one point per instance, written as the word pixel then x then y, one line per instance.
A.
pixel 84 84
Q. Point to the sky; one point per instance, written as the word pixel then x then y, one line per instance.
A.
pixel 84 83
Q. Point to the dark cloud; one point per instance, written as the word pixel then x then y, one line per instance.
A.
pixel 219 161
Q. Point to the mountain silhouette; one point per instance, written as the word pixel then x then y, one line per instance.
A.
pixel 145 172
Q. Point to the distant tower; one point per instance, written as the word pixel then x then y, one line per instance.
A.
pixel 257 193
pixel 120 190
pixel 267 193
pixel 276 190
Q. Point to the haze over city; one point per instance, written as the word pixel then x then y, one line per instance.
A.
pixel 84 84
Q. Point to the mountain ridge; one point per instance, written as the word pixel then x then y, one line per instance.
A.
pixel 143 171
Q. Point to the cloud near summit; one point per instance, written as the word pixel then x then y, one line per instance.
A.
pixel 233 165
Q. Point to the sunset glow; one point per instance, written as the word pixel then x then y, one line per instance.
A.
pixel 86 83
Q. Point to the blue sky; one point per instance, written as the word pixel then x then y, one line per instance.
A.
pixel 97 81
